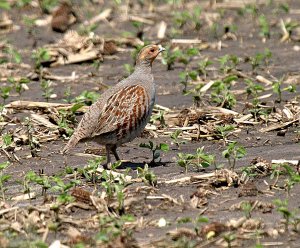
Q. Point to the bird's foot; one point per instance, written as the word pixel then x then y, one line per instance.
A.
pixel 107 166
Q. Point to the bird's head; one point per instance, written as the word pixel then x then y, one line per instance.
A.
pixel 148 54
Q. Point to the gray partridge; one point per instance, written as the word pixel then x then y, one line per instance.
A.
pixel 123 111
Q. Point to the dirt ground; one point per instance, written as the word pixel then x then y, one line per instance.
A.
pixel 254 205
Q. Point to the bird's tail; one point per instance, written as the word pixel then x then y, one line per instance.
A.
pixel 72 142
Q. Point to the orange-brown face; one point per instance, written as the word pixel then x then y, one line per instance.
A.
pixel 149 53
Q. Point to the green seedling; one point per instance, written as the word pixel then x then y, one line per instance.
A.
pixel 222 132
pixel 282 208
pixel 40 56
pixel 203 160
pixel 203 65
pixel 251 9
pixel 253 89
pixel 4 4
pixel 147 175
pixel 19 85
pixel 221 92
pixel 3 178
pixel 247 208
pixel 87 97
pixel 232 153
pixel 277 88
pixel 47 5
pixel 199 160
pixel 67 95
pixel 191 86
pixel 293 177
pixel 229 238
pixel 160 116
pixel 41 180
pixel 67 118
pixel 86 30
pixel 47 89
pixel 14 55
pixel 264 27
pixel 5 92
pixel 7 140
pixel 175 137
pixel 185 160
pixel 90 171
pixel 111 228
pixel 155 149
pixel 171 56
pixel 228 63
pixel 63 188
pixel 260 58
pixel 33 142
pixel 114 188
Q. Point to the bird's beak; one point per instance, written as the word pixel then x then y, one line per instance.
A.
pixel 161 49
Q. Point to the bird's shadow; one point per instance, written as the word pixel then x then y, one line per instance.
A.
pixel 134 166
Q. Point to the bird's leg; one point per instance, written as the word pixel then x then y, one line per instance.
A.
pixel 108 158
pixel 114 151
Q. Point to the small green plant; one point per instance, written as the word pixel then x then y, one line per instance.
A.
pixel 155 149
pixel 86 97
pixel 264 27
pixel 3 178
pixel 47 89
pixel 203 160
pixel 111 228
pixel 7 140
pixel 4 4
pixel 229 238
pixel 277 88
pixel 40 56
pixel 260 58
pixel 183 18
pixel 251 9
pixel 253 89
pixel 14 55
pixel 199 160
pixel 282 208
pixel 67 118
pixel 5 92
pixel 171 56
pixel 67 95
pixel 247 208
pixel 221 92
pixel 222 132
pixel 85 30
pixel 233 152
pixel 185 160
pixel 203 65
pixel 293 177
pixel 175 137
pixel 19 85
pixel 42 180
pixel 114 188
pixel 160 116
pixel 147 175
pixel 47 5
pixel 63 188
pixel 228 63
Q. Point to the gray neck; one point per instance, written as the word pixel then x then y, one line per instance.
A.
pixel 143 67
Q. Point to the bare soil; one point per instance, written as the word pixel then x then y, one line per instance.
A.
pixel 173 201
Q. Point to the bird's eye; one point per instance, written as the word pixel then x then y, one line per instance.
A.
pixel 152 50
